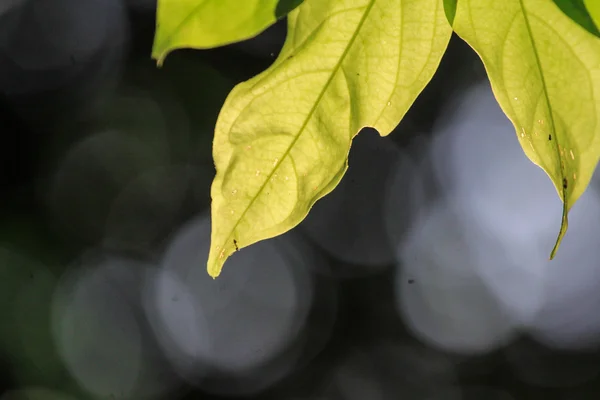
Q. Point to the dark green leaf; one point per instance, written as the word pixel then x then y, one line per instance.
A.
pixel 285 6
pixel 450 10
pixel 576 10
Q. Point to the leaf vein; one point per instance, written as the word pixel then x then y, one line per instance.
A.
pixel 308 117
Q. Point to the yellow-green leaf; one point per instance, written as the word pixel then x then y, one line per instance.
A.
pixel 204 24
pixel 593 8
pixel 282 138
pixel 545 73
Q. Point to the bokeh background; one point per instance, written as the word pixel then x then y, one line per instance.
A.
pixel 424 275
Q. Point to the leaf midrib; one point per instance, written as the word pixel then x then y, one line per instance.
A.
pixel 307 119
pixel 553 127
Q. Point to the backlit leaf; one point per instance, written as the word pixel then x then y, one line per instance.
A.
pixel 544 69
pixel 204 24
pixel 593 8
pixel 282 138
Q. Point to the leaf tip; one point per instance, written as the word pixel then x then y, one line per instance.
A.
pixel 160 50
pixel 563 229
pixel 450 10
pixel 159 57
pixel 214 269
pixel 216 259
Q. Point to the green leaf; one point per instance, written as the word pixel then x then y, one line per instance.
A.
pixel 593 8
pixel 450 10
pixel 282 138
pixel 545 73
pixel 204 24
pixel 284 7
pixel 577 11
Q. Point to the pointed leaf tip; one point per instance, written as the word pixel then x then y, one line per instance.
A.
pixel 450 10
pixel 544 69
pixel 564 226
pixel 282 138
pixel 205 24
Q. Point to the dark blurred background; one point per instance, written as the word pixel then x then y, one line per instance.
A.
pixel 424 275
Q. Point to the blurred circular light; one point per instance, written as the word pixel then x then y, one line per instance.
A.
pixel 98 332
pixel 439 290
pixel 237 326
pixel 54 33
pixel 349 223
pixel 517 213
pixel 92 174
pixel 26 288
pixel 150 206
pixel 51 44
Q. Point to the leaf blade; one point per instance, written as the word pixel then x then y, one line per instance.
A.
pixel 593 8
pixel 203 24
pixel 528 47
pixel 345 65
